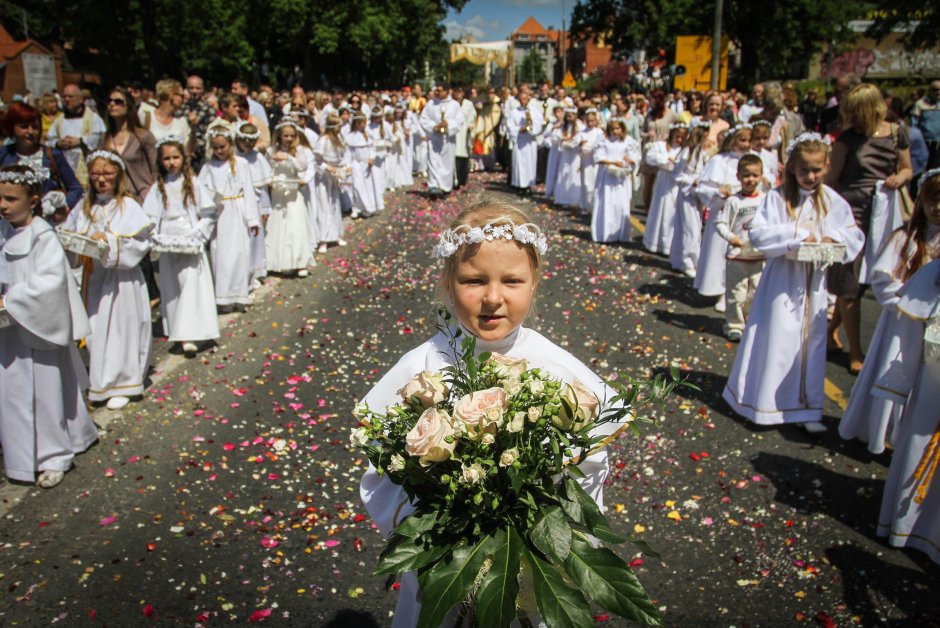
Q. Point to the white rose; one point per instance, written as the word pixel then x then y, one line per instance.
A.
pixel 488 439
pixel 427 440
pixel 427 387
pixel 513 386
pixel 397 463
pixel 360 410
pixel 536 386
pixel 471 474
pixel 508 457
pixel 359 437
pixel 506 367
pixel 583 405
pixel 517 422
pixel 534 413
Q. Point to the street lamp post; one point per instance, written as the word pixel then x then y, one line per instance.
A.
pixel 716 46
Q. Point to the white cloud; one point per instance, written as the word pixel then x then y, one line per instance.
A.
pixel 478 27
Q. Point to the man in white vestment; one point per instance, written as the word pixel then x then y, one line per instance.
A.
pixel 441 119
pixel 524 124
pixel 463 136
pixel 77 133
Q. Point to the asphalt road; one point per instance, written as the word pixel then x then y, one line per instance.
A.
pixel 230 494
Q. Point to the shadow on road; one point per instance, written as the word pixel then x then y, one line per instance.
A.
pixel 680 291
pixel 696 322
pixel 348 618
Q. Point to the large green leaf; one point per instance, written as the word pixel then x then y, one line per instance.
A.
pixel 559 604
pixel 610 581
pixel 449 581
pixel 404 554
pixel 551 534
pixel 592 513
pixel 496 598
pixel 417 523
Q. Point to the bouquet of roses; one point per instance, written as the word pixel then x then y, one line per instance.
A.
pixel 487 452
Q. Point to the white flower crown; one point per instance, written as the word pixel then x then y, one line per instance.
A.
pixel 923 178
pixel 740 126
pixel 240 134
pixel 107 155
pixel 705 124
pixel 220 130
pixel 678 125
pixel 32 176
pixel 762 122
pixel 285 123
pixel 802 138
pixel 170 139
pixel 453 239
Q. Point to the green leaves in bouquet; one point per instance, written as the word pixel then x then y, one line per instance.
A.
pixel 496 597
pixel 551 534
pixel 611 582
pixel 449 581
pixel 633 393
pixel 559 604
pixel 403 553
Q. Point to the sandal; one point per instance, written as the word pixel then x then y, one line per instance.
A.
pixel 855 366
pixel 48 479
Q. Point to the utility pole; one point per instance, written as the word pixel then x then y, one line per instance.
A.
pixel 716 46
pixel 564 36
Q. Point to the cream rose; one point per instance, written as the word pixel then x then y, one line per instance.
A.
pixel 427 387
pixel 472 474
pixel 583 405
pixel 534 413
pixel 359 437
pixel 481 410
pixel 508 457
pixel 426 440
pixel 517 422
pixel 506 367
pixel 397 463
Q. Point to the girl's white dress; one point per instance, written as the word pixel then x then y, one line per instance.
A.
pixel 287 243
pixel 780 367
pixel 722 169
pixel 396 146
pixel 550 138
pixel 331 162
pixel 261 179
pixel 407 155
pixel 876 402
pixel 687 235
pixel 187 296
pixel 910 508
pixel 361 150
pixel 378 133
pixel 661 218
pixel 116 297
pixel 593 138
pixel 387 502
pixel 568 169
pixel 611 219
pixel 230 247
pixel 43 419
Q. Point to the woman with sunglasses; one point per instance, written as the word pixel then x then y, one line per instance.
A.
pixel 136 145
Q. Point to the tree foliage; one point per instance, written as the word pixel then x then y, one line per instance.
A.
pixel 532 68
pixel 777 38
pixel 891 14
pixel 351 43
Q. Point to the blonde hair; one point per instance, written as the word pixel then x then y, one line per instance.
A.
pixel 120 187
pixel 166 88
pixel 492 212
pixel 863 109
pixel 791 187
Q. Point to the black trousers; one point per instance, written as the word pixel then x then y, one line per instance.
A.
pixel 462 166
pixel 541 164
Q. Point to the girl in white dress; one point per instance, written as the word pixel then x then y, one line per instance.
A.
pixel 378 134
pixel 591 138
pixel 332 172
pixel 661 219
pixel 568 169
pixel 395 148
pixel 287 244
pixel 687 235
pixel 361 159
pixel 489 287
pixel 43 419
pixel 183 211
pixel 246 138
pixel 718 181
pixel 760 137
pixel 228 177
pixel 876 404
pixel 551 135
pixel 114 288
pixel 616 157
pixel 406 157
pixel 780 367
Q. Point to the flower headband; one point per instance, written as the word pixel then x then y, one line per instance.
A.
pixel 169 139
pixel 923 178
pixel 803 138
pixel 107 155
pixel 242 135
pixel 220 130
pixel 740 126
pixel 703 124
pixel 285 123
pixel 761 122
pixel 453 239
pixel 32 176
pixel 678 125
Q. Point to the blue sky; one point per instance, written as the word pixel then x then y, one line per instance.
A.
pixel 492 20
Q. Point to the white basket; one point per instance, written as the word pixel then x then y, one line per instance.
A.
pixel 82 245
pixel 340 175
pixel 571 144
pixel 619 173
pixel 823 253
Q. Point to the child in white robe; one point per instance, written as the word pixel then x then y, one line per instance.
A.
pixel 228 176
pixel 246 138
pixel 687 235
pixel 718 181
pixel 183 211
pixel 395 147
pixel 591 137
pixel 551 136
pixel 378 133
pixel 780 367
pixel 661 218
pixel 875 404
pixel 406 157
pixel 616 158
pixel 490 262
pixel 114 287
pixel 760 137
pixel 361 161
pixel 332 161
pixel 43 419
pixel 287 243
pixel 567 189
pixel 910 507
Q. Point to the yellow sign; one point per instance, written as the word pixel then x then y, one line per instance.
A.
pixel 568 82
pixel 695 53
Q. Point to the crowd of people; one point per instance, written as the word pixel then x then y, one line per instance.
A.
pixel 783 210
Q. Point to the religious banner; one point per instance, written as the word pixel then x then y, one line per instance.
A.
pixel 498 52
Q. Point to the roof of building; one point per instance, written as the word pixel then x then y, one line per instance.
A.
pixel 10 48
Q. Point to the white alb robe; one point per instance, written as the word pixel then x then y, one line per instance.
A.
pixel 116 297
pixel 379 134
pixel 43 419
pixel 261 179
pixel 361 153
pixel 550 139
pixel 610 221
pixel 442 147
pixel 720 170
pixel 287 242
pixel 590 140
pixel 524 135
pixel 568 168
pixel 661 217
pixel 687 235
pixel 329 159
pixel 780 366
pixel 230 247
pixel 187 295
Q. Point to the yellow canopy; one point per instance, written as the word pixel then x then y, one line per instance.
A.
pixel 498 52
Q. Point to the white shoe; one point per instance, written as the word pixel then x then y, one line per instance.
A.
pixel 48 479
pixel 303 272
pixel 322 248
pixel 689 273
pixel 190 348
pixel 354 213
pixel 720 306
pixel 341 242
pixel 255 284
pixel 814 427
pixel 116 403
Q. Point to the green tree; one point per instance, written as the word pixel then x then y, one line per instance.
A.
pixel 532 69
pixel 465 73
pixel 924 16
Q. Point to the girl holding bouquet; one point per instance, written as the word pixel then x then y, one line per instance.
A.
pixel 492 257
pixel 616 157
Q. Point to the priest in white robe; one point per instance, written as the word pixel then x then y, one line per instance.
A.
pixel 524 125
pixel 441 119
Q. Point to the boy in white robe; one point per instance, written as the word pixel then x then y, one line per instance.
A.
pixel 441 120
